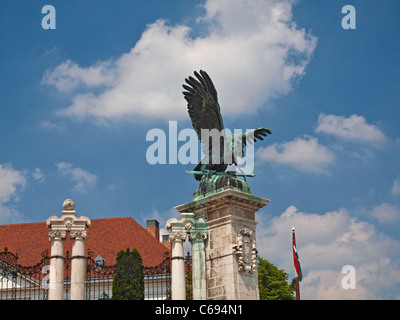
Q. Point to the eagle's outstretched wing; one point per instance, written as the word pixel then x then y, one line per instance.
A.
pixel 205 113
pixel 202 103
pixel 239 140
pixel 255 134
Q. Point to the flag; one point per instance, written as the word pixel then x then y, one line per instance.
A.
pixel 297 263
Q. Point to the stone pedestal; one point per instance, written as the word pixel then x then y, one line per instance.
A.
pixel 230 250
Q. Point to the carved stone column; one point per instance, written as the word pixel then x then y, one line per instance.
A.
pixel 198 237
pixel 178 286
pixel 78 262
pixel 68 222
pixel 56 288
pixel 197 231
pixel 230 251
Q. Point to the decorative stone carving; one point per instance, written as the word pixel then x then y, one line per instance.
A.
pixel 69 204
pixel 78 234
pixel 197 235
pixel 57 234
pixel 177 235
pixel 68 223
pixel 246 251
pixel 59 226
pixel 188 225
pixel 185 224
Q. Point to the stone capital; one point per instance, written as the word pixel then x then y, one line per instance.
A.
pixel 78 234
pixel 196 228
pixel 68 222
pixel 198 236
pixel 57 235
pixel 177 236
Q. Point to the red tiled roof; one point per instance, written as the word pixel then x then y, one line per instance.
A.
pixel 106 237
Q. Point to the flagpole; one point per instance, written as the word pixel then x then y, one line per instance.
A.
pixel 297 278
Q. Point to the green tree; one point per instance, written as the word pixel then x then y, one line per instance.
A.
pixel 188 282
pixel 273 283
pixel 128 282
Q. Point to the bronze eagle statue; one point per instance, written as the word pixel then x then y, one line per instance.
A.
pixel 205 113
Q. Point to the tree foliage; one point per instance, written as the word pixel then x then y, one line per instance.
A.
pixel 273 283
pixel 128 282
pixel 188 283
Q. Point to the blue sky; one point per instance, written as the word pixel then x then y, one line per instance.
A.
pixel 77 102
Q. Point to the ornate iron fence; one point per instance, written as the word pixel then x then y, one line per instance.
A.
pixel 19 282
pixel 99 279
pixel 26 283
pixel 157 280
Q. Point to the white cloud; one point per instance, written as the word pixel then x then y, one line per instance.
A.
pixel 326 243
pixel 68 76
pixel 252 50
pixel 386 213
pixel 354 127
pixel 84 180
pixel 38 175
pixel 9 215
pixel 304 154
pixel 396 187
pixel 11 181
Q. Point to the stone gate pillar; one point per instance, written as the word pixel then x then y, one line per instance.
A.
pixel 196 229
pixel 78 263
pixel 198 237
pixel 230 252
pixel 68 222
pixel 56 288
pixel 178 286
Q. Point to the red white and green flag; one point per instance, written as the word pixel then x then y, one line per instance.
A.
pixel 297 263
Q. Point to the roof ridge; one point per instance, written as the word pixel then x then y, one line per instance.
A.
pixel 113 218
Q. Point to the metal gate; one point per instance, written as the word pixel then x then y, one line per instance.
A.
pixel 19 282
pixel 99 279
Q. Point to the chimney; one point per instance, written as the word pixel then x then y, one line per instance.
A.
pixel 152 227
pixel 166 242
